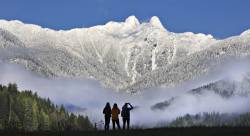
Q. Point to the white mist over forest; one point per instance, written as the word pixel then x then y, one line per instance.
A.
pixel 91 95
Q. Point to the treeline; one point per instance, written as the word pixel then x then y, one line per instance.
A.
pixel 26 111
pixel 212 120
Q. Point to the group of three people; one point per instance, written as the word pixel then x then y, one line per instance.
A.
pixel 114 114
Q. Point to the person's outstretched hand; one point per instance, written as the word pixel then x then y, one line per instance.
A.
pixel 130 105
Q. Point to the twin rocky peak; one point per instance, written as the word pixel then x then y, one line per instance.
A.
pixel 154 21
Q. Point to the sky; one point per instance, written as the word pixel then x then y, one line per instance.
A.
pixel 221 18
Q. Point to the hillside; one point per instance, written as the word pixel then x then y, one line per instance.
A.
pixel 26 111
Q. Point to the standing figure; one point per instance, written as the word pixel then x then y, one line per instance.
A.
pixel 115 116
pixel 107 116
pixel 126 114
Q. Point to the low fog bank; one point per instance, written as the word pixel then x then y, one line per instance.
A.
pixel 91 95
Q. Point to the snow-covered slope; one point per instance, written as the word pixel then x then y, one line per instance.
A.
pixel 122 55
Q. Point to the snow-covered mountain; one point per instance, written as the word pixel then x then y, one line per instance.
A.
pixel 122 55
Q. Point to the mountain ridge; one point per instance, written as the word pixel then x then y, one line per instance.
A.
pixel 120 55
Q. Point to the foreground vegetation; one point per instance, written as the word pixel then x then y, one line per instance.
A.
pixel 26 111
pixel 188 131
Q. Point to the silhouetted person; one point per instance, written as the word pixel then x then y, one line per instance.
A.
pixel 126 114
pixel 115 116
pixel 107 116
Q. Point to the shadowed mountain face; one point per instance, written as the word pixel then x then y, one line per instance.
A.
pixel 128 56
pixel 162 105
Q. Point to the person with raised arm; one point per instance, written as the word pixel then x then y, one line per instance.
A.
pixel 127 107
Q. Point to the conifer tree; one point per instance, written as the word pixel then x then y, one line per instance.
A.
pixel 27 111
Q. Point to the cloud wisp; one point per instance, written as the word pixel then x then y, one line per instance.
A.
pixel 91 95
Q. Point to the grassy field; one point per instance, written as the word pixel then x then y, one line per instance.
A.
pixel 195 131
